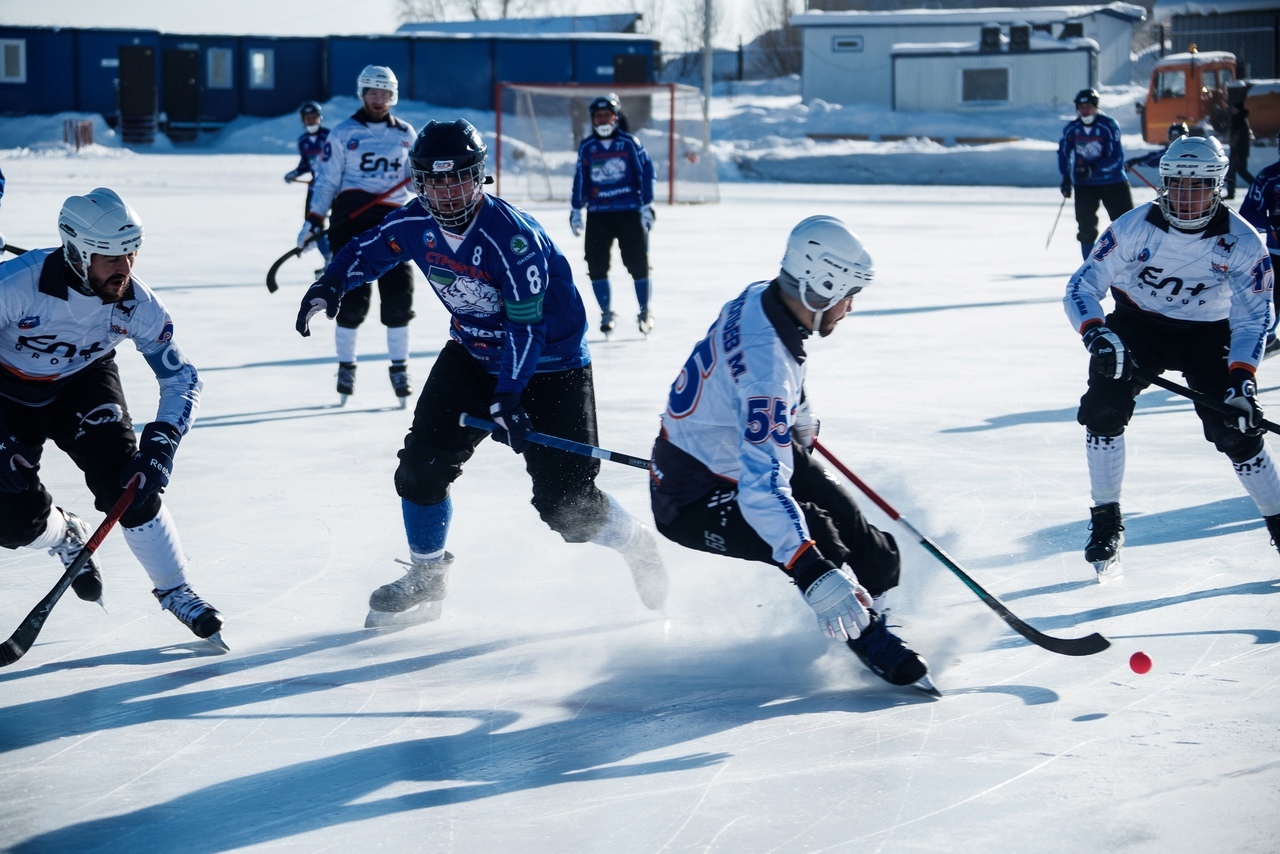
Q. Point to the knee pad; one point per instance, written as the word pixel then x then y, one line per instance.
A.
pixel 426 480
pixel 1238 447
pixel 1105 409
pixel 575 518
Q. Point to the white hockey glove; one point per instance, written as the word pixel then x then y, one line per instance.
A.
pixel 575 222
pixel 309 234
pixel 1109 359
pixel 647 217
pixel 841 604
pixel 805 426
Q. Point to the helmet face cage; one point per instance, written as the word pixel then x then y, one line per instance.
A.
pixel 1192 172
pixel 99 223
pixel 378 77
pixel 447 167
pixel 1087 96
pixel 605 102
pixel 824 263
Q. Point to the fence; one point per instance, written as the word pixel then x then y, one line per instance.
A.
pixel 77 132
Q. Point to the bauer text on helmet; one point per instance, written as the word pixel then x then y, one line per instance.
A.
pixel 378 77
pixel 98 223
pixel 1192 171
pixel 824 263
pixel 447 165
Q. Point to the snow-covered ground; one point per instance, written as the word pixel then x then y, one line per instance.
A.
pixel 548 711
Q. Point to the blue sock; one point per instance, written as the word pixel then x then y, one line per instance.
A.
pixel 426 525
pixel 642 294
pixel 601 287
pixel 1085 249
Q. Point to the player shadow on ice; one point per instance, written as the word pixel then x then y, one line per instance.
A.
pixel 927 309
pixel 640 710
pixel 1153 401
pixel 294 413
pixel 326 361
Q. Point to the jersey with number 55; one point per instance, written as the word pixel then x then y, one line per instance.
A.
pixel 508 287
pixel 730 412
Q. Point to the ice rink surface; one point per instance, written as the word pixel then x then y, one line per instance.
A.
pixel 548 711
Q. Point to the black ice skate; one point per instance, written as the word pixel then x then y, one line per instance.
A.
pixel 647 571
pixel 644 320
pixel 88 583
pixel 346 381
pixel 415 597
pixel 1105 540
pixel 194 613
pixel 400 382
pixel 607 322
pixel 1273 528
pixel 1273 347
pixel 888 657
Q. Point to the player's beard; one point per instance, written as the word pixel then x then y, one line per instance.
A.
pixel 110 289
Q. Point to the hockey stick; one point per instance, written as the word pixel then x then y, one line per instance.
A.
pixel 1141 177
pixel 1049 239
pixel 1199 397
pixel 22 639
pixel 273 286
pixel 561 444
pixel 16 250
pixel 1088 645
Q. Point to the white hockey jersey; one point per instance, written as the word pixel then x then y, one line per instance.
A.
pixel 373 157
pixel 730 409
pixel 49 332
pixel 1221 272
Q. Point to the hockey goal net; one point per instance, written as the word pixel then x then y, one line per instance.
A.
pixel 539 127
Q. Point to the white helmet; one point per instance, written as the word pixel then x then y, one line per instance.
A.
pixel 99 223
pixel 1192 157
pixel 824 263
pixel 378 77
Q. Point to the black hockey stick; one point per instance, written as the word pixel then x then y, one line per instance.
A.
pixel 561 444
pixel 16 250
pixel 1088 645
pixel 273 286
pixel 1199 397
pixel 1049 239
pixel 22 639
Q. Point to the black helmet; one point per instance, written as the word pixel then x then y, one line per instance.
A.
pixel 604 102
pixel 309 107
pixel 447 165
pixel 1178 129
pixel 1086 96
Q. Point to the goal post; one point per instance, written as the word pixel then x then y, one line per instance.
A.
pixel 540 126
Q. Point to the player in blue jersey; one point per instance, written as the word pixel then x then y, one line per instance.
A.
pixel 310 148
pixel 733 471
pixel 614 182
pixel 1091 160
pixel 1261 209
pixel 1151 159
pixel 517 351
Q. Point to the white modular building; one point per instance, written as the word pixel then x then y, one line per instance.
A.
pixel 849 56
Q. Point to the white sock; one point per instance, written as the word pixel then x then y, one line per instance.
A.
pixel 398 343
pixel 55 531
pixel 620 528
pixel 1261 481
pixel 344 340
pixel 1106 466
pixel 156 546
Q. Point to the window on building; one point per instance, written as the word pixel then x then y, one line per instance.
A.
pixel 13 60
pixel 219 76
pixel 262 68
pixel 984 85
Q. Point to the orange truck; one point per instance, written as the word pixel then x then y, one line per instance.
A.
pixel 1198 88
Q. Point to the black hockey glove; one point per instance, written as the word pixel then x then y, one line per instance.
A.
pixel 15 462
pixel 1109 359
pixel 154 460
pixel 1243 395
pixel 1066 188
pixel 1082 172
pixel 322 296
pixel 513 422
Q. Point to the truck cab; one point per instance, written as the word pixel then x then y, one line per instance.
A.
pixel 1187 87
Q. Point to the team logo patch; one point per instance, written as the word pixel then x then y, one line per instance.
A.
pixel 166 334
pixel 429 238
pixel 519 244
pixel 442 166
pixel 31 321
pixel 395 247
pixel 1144 256
pixel 117 329
pixel 353 145
pixel 464 294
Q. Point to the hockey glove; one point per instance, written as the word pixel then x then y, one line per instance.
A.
pixel 805 426
pixel 647 217
pixel 575 222
pixel 1066 188
pixel 291 176
pixel 1109 359
pixel 513 422
pixel 1243 395
pixel 15 461
pixel 1082 172
pixel 310 233
pixel 322 296
pixel 154 460
pixel 841 604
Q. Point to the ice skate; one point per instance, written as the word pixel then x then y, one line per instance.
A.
pixel 1273 347
pixel 400 382
pixel 1105 540
pixel 196 614
pixel 607 322
pixel 346 381
pixel 644 320
pixel 415 597
pixel 647 570
pixel 888 657
pixel 1273 528
pixel 88 583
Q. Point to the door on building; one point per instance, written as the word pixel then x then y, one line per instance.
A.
pixel 181 99
pixel 137 93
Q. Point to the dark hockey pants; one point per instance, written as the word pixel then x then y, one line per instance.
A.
pixel 1116 198
pixel 603 227
pixel 395 287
